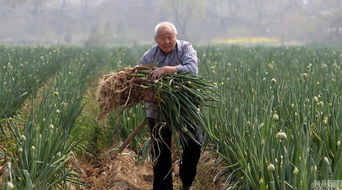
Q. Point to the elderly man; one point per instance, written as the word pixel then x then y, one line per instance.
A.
pixel 170 55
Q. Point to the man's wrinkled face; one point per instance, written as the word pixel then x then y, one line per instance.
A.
pixel 166 39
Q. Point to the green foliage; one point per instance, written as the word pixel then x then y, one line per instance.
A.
pixel 279 125
pixel 43 143
pixel 23 70
pixel 179 98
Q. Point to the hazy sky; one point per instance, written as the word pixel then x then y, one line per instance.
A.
pixel 74 2
pixel 121 21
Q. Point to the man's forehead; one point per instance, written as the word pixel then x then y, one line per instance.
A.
pixel 166 34
pixel 165 30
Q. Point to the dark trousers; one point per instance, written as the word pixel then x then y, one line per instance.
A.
pixel 162 160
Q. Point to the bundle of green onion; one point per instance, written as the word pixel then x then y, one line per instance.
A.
pixel 178 97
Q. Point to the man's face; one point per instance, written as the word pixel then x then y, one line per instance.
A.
pixel 166 39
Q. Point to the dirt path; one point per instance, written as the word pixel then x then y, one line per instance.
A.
pixel 124 173
pixel 121 173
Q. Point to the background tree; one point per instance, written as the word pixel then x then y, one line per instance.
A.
pixel 185 13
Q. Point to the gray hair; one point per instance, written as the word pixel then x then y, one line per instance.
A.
pixel 163 24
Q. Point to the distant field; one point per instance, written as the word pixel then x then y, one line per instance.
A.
pixel 278 124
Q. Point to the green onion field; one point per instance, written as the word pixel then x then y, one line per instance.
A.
pixel 277 124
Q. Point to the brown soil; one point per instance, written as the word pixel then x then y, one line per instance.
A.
pixel 121 173
pixel 2 165
pixel 124 173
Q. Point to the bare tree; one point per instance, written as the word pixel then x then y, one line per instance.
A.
pixel 260 7
pixel 185 13
pixel 63 5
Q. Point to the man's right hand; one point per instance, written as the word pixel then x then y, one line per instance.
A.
pixel 148 97
pixel 157 73
pixel 160 71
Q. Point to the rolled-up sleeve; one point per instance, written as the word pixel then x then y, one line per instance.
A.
pixel 189 61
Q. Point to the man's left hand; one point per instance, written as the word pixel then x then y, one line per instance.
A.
pixel 148 97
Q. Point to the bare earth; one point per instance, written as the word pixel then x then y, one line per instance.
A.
pixel 124 173
pixel 121 173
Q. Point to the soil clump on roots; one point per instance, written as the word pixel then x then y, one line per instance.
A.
pixel 125 88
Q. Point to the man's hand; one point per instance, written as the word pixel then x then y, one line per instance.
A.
pixel 148 97
pixel 157 73
pixel 160 71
